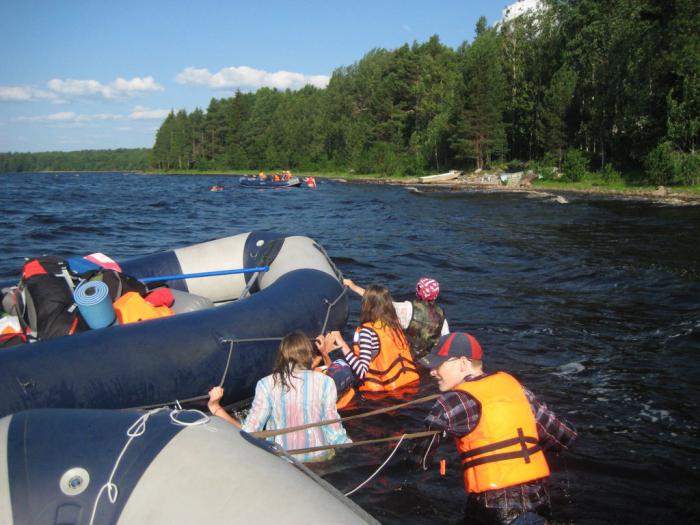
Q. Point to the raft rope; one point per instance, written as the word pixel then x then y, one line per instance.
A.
pixel 137 429
pixel 330 307
pixel 414 435
pixel 378 470
pixel 276 432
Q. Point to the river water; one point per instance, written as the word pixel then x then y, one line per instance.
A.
pixel 593 304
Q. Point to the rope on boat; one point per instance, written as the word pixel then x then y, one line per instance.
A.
pixel 378 470
pixel 276 432
pixel 137 429
pixel 414 435
pixel 330 307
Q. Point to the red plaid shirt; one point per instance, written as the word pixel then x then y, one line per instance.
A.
pixel 457 414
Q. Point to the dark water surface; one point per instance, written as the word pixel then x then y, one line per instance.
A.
pixel 594 305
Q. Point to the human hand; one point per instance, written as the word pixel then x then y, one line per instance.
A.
pixel 215 395
pixel 337 339
pixel 348 283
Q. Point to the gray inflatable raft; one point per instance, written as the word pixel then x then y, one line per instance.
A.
pixel 84 467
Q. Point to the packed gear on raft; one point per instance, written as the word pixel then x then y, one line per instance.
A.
pixel 44 304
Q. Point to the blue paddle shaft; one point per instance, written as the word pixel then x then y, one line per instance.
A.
pixel 147 280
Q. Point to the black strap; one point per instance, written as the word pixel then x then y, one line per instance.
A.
pixel 405 363
pixel 524 451
pixel 392 378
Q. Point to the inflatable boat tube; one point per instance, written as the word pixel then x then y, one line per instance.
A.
pixel 254 182
pixel 181 357
pixel 80 467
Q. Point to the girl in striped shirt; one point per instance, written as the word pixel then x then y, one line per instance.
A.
pixel 292 395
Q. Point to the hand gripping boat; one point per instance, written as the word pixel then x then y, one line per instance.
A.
pixel 179 358
pixel 86 467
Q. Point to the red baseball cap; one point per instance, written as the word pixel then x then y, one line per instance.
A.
pixel 457 344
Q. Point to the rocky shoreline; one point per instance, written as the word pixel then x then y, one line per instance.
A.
pixel 661 195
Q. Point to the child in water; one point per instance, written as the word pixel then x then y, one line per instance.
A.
pixel 292 395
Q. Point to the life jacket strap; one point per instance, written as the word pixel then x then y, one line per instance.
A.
pixel 400 360
pixel 525 452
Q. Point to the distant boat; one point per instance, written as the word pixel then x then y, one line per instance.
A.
pixel 442 177
pixel 216 187
pixel 255 182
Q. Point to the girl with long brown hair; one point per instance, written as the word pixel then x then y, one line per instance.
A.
pixel 290 396
pixel 380 356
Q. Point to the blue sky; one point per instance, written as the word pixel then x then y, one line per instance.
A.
pixel 103 74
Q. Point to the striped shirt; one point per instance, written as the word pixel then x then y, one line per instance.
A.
pixel 311 398
pixel 368 341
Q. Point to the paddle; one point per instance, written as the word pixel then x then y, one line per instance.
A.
pixel 158 278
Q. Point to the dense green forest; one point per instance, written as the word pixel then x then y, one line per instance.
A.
pixel 582 85
pixel 86 160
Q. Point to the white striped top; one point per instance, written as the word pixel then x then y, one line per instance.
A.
pixel 369 348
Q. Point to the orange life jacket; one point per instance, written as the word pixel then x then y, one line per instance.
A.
pixel 132 308
pixel 345 399
pixel 503 450
pixel 393 366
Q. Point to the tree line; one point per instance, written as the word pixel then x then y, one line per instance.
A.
pixel 86 160
pixel 605 85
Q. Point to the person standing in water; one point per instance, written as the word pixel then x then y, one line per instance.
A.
pixel 380 355
pixel 292 395
pixel 500 430
pixel 422 319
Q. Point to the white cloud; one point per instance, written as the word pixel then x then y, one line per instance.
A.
pixel 61 89
pixel 70 116
pixel 26 94
pixel 141 113
pixel 90 88
pixel 521 7
pixel 248 77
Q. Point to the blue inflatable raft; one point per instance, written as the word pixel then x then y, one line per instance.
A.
pixel 179 358
pixel 254 182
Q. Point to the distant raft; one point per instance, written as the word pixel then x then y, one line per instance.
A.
pixel 255 182
pixel 81 467
pixel 180 357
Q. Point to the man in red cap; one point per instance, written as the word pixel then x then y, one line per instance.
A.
pixel 500 430
pixel 422 319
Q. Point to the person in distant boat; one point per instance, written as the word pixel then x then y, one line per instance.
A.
pixel 380 356
pixel 292 395
pixel 500 430
pixel 276 177
pixel 262 175
pixel 422 319
pixel 286 176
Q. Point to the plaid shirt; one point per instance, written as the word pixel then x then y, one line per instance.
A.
pixel 457 414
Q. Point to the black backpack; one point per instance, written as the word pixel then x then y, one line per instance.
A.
pixel 46 289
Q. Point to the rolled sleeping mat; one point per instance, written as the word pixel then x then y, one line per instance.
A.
pixel 95 304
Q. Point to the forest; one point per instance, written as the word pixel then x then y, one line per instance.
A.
pixel 580 86
pixel 85 160
pixel 609 85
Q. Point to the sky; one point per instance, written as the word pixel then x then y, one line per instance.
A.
pixel 103 74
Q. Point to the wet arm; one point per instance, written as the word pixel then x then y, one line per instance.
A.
pixel 555 434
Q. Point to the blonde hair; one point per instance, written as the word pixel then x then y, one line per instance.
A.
pixel 295 351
